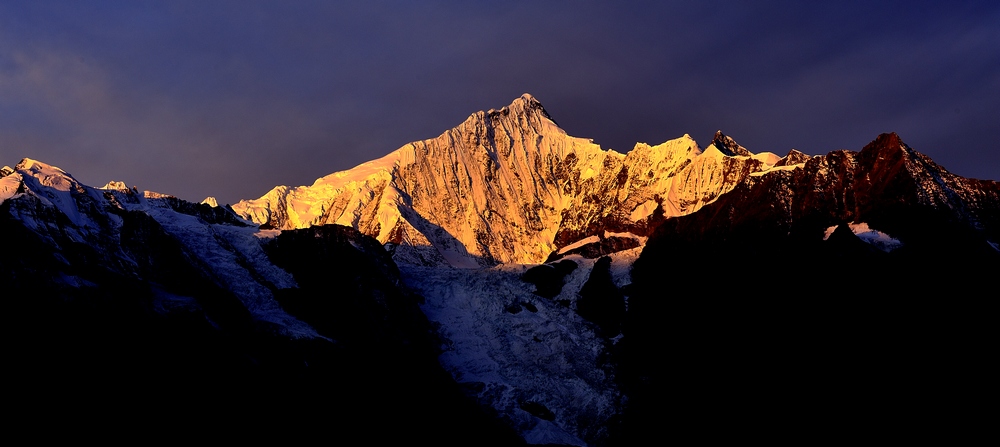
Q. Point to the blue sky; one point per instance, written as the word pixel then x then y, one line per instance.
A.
pixel 232 98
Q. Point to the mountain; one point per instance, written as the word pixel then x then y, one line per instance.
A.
pixel 154 304
pixel 887 184
pixel 732 245
pixel 606 299
pixel 181 317
pixel 508 186
pixel 856 288
pixel 137 237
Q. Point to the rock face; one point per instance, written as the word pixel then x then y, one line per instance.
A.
pixel 600 299
pixel 888 185
pixel 509 185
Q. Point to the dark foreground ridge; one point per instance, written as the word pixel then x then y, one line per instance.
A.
pixel 131 334
pixel 779 330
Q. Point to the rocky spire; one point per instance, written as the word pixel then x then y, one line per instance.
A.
pixel 728 146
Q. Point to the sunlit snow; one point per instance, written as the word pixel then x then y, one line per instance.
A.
pixel 499 187
pixel 580 243
pixel 8 186
pixel 874 237
pixel 768 158
pixel 115 185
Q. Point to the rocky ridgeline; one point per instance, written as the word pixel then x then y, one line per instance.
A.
pixel 509 185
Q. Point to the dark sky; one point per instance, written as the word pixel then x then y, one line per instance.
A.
pixel 232 98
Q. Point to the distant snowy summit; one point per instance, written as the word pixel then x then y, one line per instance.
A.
pixel 509 185
pixel 134 235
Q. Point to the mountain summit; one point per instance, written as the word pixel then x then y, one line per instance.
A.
pixel 509 185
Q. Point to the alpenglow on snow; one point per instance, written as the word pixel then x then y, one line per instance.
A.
pixel 509 185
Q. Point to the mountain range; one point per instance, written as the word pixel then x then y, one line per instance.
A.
pixel 533 286
pixel 510 186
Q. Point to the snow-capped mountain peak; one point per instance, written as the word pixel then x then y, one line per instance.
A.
pixel 65 213
pixel 523 105
pixel 508 185
pixel 47 175
pixel 115 186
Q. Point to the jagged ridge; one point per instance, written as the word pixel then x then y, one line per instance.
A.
pixel 509 185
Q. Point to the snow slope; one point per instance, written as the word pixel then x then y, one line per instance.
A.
pixel 57 207
pixel 510 347
pixel 872 236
